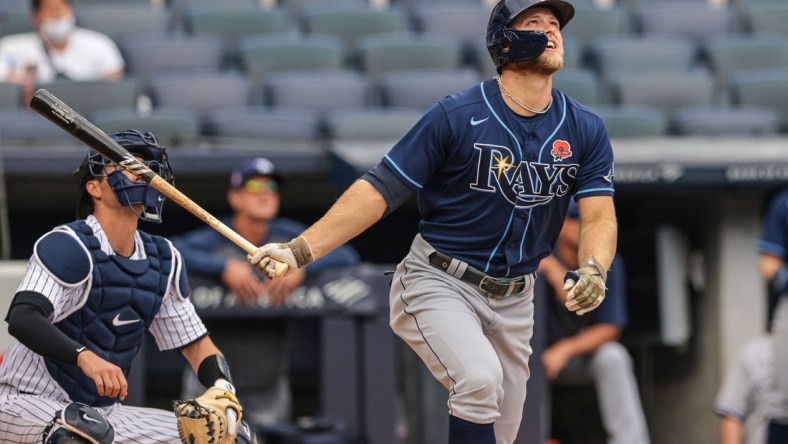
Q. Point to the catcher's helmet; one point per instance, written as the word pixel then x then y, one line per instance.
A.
pixel 129 193
pixel 508 45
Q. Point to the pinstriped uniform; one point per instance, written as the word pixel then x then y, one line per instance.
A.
pixel 29 396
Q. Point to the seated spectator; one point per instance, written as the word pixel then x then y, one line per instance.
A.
pixel 59 49
pixel 262 346
pixel 587 348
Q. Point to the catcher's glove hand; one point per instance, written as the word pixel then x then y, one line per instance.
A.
pixel 586 287
pixel 204 420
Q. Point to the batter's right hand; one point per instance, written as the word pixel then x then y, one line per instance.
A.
pixel 108 377
pixel 277 260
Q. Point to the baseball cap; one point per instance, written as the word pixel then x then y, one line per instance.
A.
pixel 259 166
pixel 564 11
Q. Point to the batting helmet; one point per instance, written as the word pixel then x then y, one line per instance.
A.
pixel 129 193
pixel 508 45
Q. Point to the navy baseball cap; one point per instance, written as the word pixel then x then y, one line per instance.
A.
pixel 251 168
pixel 564 11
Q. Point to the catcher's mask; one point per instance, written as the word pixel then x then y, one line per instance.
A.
pixel 128 193
pixel 508 45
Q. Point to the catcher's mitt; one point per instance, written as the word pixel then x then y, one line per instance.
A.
pixel 203 420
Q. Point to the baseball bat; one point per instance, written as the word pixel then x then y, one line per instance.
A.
pixel 49 106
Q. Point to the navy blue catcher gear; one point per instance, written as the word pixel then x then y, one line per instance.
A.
pixel 508 45
pixel 128 192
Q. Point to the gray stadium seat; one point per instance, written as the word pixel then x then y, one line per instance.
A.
pixel 590 23
pixel 15 22
pixel 465 22
pixel 383 53
pixel 319 90
pixel 10 96
pixel 579 84
pixel 147 56
pixel 171 127
pixel 21 129
pixel 264 123
pixel 370 124
pixel 421 88
pixel 349 22
pixel 762 87
pixel 696 22
pixel 730 55
pixel 201 93
pixel 667 90
pixel 615 56
pixel 120 22
pixel 633 121
pixel 726 121
pixel 769 17
pixel 231 24
pixel 89 96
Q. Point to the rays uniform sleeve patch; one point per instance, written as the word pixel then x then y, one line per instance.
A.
pixel 64 257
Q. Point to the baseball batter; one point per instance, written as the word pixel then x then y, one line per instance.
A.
pixel 493 168
pixel 92 289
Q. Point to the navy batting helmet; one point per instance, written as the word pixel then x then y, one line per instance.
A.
pixel 508 45
pixel 129 193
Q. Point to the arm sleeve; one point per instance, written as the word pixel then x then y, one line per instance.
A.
pixel 394 190
pixel 28 321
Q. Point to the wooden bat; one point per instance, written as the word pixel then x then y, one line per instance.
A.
pixel 49 106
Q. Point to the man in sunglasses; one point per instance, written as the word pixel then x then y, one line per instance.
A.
pixel 263 347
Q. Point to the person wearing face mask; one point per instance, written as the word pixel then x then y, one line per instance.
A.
pixel 57 50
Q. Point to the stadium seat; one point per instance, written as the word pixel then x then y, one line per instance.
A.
pixel 21 129
pixel 120 22
pixel 147 56
pixel 716 121
pixel 633 121
pixel 696 22
pixel 421 88
pixel 762 87
pixel 666 90
pixel 201 93
pixel 171 127
pixel 381 53
pixel 89 96
pixel 10 96
pixel 590 23
pixel 263 55
pixel 615 56
pixel 232 23
pixel 730 55
pixel 264 123
pixel 579 84
pixel 768 17
pixel 349 22
pixel 15 22
pixel 465 22
pixel 320 90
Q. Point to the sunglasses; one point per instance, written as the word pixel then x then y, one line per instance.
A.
pixel 261 186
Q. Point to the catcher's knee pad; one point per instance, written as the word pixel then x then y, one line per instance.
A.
pixel 78 423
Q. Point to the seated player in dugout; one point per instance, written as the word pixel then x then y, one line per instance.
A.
pixel 92 288
pixel 586 349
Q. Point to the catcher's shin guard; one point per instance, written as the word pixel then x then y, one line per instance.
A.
pixel 78 423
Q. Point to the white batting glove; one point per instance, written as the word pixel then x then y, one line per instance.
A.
pixel 277 260
pixel 586 287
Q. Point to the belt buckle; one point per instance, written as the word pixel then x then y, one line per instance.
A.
pixel 509 286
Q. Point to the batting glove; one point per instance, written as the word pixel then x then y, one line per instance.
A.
pixel 586 287
pixel 278 260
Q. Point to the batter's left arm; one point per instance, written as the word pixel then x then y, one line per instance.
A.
pixel 598 230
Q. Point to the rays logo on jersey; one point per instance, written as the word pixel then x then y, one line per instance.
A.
pixel 524 184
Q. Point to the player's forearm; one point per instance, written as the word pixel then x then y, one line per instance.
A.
pixel 598 232
pixel 731 430
pixel 360 207
pixel 197 351
pixel 590 339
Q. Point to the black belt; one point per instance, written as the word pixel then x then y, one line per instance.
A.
pixel 500 287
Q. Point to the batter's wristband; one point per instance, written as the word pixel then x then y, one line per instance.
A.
pixel 212 368
pixel 301 251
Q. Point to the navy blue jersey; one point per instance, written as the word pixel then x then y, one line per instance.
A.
pixel 492 186
pixel 774 235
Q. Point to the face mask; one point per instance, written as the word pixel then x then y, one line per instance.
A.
pixel 57 30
